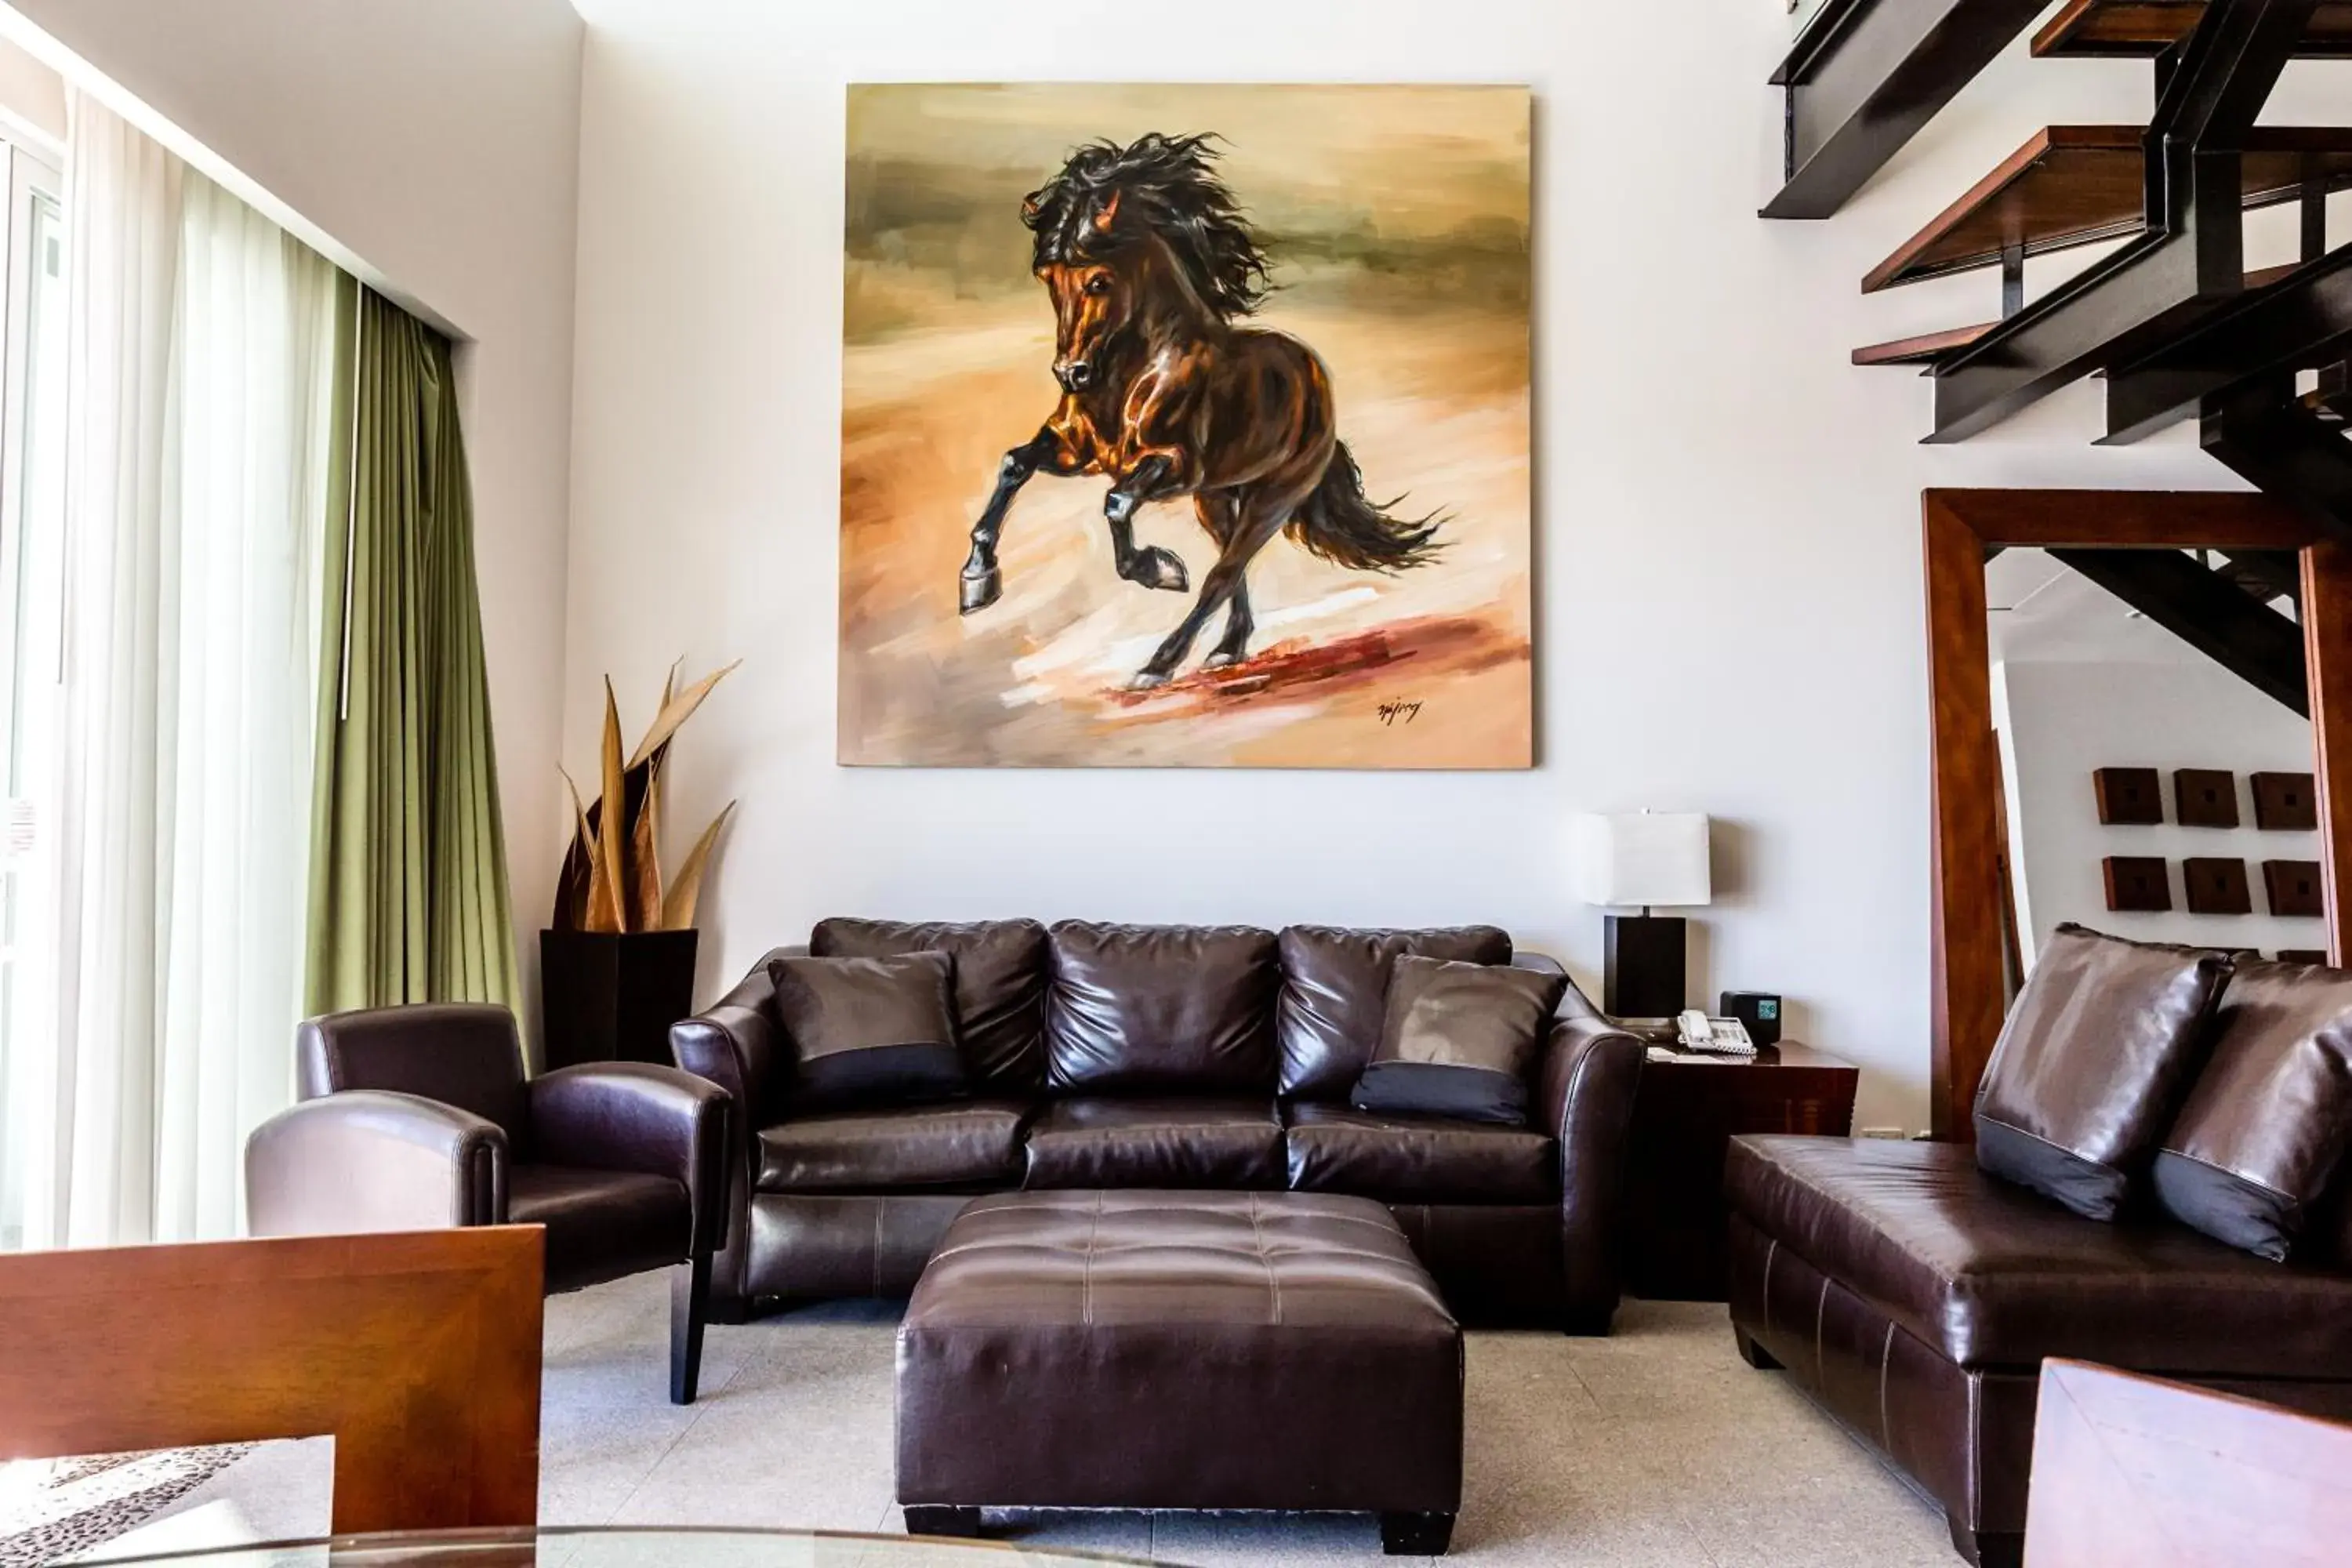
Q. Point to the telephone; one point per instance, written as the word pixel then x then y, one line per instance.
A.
pixel 1720 1036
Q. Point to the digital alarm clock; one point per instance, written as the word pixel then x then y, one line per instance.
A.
pixel 1760 1010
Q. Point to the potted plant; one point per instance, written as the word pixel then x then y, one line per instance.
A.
pixel 617 963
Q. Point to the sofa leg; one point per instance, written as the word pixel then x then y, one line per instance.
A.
pixel 1750 1351
pixel 1987 1549
pixel 938 1518
pixel 1416 1534
pixel 689 1308
pixel 1588 1322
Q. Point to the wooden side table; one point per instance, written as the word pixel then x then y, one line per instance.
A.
pixel 1685 1117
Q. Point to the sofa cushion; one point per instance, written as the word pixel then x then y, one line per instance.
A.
pixel 2265 1125
pixel 1417 1159
pixel 1992 1277
pixel 2098 1047
pixel 975 1143
pixel 999 986
pixel 1459 1040
pixel 1335 984
pixel 870 1031
pixel 1185 1009
pixel 1181 1143
pixel 600 1225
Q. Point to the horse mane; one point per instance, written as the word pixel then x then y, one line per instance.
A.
pixel 1166 185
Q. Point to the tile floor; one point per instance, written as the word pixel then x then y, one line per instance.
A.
pixel 1653 1446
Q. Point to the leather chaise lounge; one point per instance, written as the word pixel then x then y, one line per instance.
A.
pixel 1916 1296
pixel 1912 1289
pixel 1173 1058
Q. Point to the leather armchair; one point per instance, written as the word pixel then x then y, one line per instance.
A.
pixel 420 1118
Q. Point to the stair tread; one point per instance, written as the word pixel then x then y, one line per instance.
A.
pixel 1926 347
pixel 2145 28
pixel 2076 184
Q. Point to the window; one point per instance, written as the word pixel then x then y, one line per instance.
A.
pixel 32 540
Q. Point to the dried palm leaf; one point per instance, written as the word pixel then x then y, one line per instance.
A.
pixel 653 775
pixel 572 883
pixel 611 878
pixel 645 856
pixel 596 911
pixel 676 710
pixel 611 835
pixel 677 908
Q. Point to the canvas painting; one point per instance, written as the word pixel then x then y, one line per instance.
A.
pixel 1186 425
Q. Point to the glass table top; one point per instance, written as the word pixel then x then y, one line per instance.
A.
pixel 626 1548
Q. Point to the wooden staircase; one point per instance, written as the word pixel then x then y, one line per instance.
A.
pixel 2144 30
pixel 1866 76
pixel 2171 316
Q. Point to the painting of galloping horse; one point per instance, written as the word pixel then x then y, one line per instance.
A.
pixel 1186 425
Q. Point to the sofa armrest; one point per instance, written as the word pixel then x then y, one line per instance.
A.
pixel 367 1159
pixel 737 1044
pixel 636 1116
pixel 1591 1070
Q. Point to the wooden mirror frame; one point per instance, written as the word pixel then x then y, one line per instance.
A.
pixel 1970 995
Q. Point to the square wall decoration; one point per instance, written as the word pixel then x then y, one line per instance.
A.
pixel 1186 426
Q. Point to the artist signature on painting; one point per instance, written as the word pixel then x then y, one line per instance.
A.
pixel 1395 713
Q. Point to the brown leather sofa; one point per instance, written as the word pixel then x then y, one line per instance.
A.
pixel 420 1118
pixel 1914 1294
pixel 1168 1056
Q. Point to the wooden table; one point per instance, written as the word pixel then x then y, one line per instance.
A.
pixel 1685 1118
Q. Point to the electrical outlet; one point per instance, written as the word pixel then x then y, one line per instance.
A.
pixel 1883 1132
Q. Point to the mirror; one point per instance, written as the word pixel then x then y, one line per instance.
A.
pixel 2137 696
pixel 1979 936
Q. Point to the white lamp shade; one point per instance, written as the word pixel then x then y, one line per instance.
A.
pixel 1650 859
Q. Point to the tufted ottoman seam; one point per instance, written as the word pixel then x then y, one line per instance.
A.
pixel 1265 1261
pixel 1086 1266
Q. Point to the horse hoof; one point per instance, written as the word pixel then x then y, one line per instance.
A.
pixel 978 593
pixel 1157 568
pixel 1222 660
pixel 1147 680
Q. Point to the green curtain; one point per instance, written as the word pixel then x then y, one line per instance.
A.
pixel 408 866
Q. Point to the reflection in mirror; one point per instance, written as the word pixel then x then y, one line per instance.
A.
pixel 2155 660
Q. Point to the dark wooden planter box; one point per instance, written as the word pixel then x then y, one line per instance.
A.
pixel 611 998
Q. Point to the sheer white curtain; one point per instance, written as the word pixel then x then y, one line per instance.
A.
pixel 201 369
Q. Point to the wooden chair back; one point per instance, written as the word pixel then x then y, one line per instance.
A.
pixel 2159 1474
pixel 418 1353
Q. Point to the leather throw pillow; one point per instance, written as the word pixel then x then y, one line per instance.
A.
pixel 2095 1053
pixel 1335 986
pixel 870 1031
pixel 1459 1040
pixel 2254 1148
pixel 999 986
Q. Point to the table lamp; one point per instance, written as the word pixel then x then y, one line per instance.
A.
pixel 1645 859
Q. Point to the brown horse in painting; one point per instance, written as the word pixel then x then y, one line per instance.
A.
pixel 1150 264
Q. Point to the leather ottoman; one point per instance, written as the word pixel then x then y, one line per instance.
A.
pixel 1179 1349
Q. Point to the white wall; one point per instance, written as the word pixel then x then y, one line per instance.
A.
pixel 1728 580
pixel 431 146
pixel 2060 720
